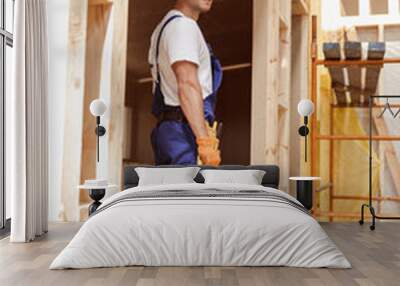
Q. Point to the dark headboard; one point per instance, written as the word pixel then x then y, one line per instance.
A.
pixel 271 177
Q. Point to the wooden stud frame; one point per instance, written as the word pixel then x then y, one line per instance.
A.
pixel 316 137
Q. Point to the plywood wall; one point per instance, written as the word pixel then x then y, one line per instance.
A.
pixel 231 41
pixel 73 125
pixel 88 23
pixel 274 93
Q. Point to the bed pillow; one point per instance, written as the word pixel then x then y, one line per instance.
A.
pixel 166 176
pixel 248 177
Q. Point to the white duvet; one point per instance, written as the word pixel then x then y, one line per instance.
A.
pixel 200 231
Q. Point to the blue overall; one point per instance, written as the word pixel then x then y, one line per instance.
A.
pixel 173 141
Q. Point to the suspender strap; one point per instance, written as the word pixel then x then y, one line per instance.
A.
pixel 158 44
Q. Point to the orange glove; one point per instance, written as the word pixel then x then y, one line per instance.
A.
pixel 208 151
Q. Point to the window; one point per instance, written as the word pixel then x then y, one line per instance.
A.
pixel 6 44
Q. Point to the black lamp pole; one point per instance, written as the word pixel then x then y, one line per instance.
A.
pixel 97 134
pixel 304 131
pixel 100 131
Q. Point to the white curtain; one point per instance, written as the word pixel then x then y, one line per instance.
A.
pixel 27 155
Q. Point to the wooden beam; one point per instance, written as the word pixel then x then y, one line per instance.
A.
pixel 71 164
pixel 116 127
pixel 350 214
pixel 300 62
pixel 332 53
pixel 376 51
pixel 358 137
pixel 264 121
pixel 365 198
pixel 284 93
pixel 331 160
pixel 313 95
pixel 97 23
pixel 300 7
pixel 361 63
pixel 352 51
pixel 365 105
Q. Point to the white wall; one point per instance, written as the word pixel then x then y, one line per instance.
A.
pixel 58 11
pixel 58 17
pixel 105 94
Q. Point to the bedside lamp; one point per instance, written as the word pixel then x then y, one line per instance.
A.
pixel 98 108
pixel 305 108
pixel 97 187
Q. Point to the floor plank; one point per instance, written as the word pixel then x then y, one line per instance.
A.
pixel 375 257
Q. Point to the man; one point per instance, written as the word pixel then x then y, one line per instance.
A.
pixel 186 78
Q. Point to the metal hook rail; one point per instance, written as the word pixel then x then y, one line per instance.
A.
pixel 369 205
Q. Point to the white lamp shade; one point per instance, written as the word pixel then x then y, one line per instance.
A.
pixel 305 107
pixel 98 107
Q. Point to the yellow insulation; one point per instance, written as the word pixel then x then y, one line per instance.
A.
pixel 350 158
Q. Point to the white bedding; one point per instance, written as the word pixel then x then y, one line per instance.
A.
pixel 203 231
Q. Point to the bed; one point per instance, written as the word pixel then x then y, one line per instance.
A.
pixel 197 224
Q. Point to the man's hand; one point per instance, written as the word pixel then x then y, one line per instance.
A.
pixel 208 151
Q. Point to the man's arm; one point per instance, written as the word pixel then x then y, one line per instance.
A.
pixel 190 96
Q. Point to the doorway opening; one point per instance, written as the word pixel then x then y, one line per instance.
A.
pixel 228 29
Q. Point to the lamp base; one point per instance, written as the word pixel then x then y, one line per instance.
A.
pixel 304 131
pixel 96 195
pixel 100 130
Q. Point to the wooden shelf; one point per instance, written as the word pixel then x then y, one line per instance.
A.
pixel 358 62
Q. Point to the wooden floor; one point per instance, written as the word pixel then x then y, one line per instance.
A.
pixel 375 257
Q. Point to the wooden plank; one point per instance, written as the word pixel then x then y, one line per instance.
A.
pixel 71 164
pixel 332 53
pixel 299 88
pixel 283 134
pixel 359 137
pixel 116 127
pixel 265 74
pixel 362 63
pixel 97 23
pixel 314 98
pixel 376 51
pixel 365 198
pixel 352 51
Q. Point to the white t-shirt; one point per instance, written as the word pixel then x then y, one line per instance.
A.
pixel 182 40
